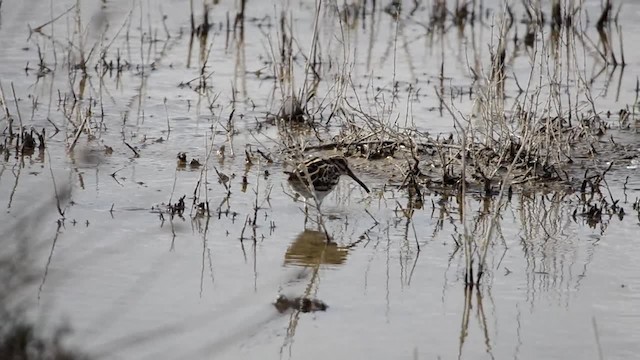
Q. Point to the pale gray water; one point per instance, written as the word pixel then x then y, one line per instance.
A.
pixel 133 287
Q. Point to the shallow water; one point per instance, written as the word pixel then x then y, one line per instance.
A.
pixel 132 284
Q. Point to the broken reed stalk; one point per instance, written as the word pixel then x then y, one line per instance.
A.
pixel 312 51
pixel 166 112
pixel 623 63
pixel 239 20
pixel 81 128
pixel 15 98
pixel 283 64
pixel 204 172
pixel 230 131
pixel 290 72
pixel 6 107
pixel 256 206
pixel 192 17
pixel 342 82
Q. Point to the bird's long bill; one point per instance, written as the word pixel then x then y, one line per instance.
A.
pixel 355 178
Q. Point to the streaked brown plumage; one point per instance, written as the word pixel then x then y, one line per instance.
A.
pixel 324 174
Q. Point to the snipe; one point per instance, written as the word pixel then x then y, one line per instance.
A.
pixel 320 176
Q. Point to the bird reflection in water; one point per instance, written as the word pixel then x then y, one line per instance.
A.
pixel 311 248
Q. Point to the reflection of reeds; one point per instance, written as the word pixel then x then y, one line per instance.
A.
pixel 531 138
pixel 20 339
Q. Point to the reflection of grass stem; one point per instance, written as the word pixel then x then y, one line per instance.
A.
pixel 597 337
